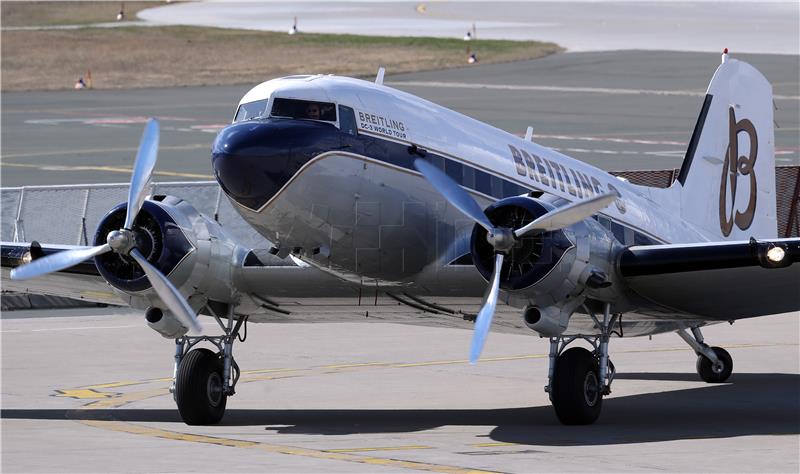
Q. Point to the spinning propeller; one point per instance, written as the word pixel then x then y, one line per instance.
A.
pixel 123 241
pixel 504 238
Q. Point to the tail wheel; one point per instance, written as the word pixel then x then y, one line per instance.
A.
pixel 577 392
pixel 711 374
pixel 199 388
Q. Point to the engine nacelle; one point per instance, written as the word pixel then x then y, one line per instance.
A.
pixel 192 250
pixel 549 273
pixel 164 323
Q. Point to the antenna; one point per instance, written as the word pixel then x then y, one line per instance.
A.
pixel 379 77
pixel 529 134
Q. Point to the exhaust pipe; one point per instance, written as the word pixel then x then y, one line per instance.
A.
pixel 164 323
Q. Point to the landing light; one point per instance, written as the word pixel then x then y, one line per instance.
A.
pixel 776 254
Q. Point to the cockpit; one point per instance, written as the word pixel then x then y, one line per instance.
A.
pixel 287 108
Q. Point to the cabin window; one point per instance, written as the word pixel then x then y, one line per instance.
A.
pixel 497 187
pixel 251 110
pixel 454 170
pixel 304 109
pixel 483 183
pixel 347 120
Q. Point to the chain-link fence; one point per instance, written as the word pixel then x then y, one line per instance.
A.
pixel 787 190
pixel 69 214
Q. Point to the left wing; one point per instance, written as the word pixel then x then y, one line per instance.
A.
pixel 82 282
pixel 715 280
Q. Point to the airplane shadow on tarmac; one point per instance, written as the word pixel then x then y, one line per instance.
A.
pixel 752 404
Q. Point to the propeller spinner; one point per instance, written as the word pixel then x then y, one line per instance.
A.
pixel 123 241
pixel 503 238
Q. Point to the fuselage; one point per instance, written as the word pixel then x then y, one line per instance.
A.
pixel 322 166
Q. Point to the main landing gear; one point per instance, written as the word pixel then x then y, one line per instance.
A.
pixel 578 378
pixel 714 364
pixel 203 379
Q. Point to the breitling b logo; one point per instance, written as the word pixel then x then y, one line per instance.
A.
pixel 734 166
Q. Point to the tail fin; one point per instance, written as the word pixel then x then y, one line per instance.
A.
pixel 727 180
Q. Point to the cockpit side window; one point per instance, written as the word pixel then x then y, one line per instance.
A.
pixel 251 110
pixel 303 109
pixel 347 120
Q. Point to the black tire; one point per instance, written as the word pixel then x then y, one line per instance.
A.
pixel 198 388
pixel 706 369
pixel 577 390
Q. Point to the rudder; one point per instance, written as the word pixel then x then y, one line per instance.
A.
pixel 727 180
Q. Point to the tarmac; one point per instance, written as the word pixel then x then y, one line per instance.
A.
pixel 88 393
pixel 619 110
pixel 86 390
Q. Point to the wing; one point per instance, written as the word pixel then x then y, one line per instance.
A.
pixel 280 290
pixel 81 282
pixel 722 281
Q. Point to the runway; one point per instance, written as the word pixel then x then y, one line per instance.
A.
pixel 89 394
pixel 617 110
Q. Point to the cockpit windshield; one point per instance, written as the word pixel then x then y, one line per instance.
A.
pixel 251 110
pixel 303 109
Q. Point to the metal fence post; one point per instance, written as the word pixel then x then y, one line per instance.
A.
pixel 19 232
pixel 82 238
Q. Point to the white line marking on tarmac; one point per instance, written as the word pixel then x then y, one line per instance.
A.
pixel 111 169
pixel 82 328
pixel 193 146
pixel 591 90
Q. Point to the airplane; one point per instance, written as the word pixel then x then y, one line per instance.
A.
pixel 361 187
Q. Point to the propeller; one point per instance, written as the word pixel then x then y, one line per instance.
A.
pixel 123 241
pixel 502 238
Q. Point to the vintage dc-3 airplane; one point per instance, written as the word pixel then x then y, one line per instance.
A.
pixel 370 188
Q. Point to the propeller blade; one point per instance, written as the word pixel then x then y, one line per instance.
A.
pixel 168 293
pixel 454 194
pixel 142 170
pixel 484 319
pixel 57 261
pixel 567 215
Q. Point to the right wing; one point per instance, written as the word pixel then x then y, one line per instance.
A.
pixel 715 280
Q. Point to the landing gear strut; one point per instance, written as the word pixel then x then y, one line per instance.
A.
pixel 202 379
pixel 714 364
pixel 577 378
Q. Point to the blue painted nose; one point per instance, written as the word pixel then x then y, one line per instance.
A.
pixel 253 160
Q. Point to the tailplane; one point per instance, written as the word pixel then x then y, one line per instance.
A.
pixel 727 180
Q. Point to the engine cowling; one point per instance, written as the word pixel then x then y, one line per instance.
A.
pixel 549 273
pixel 192 250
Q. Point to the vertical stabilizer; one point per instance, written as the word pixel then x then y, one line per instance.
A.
pixel 727 180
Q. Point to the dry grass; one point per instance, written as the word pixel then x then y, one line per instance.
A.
pixel 18 13
pixel 182 56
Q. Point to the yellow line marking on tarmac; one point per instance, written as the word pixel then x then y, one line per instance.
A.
pixel 111 401
pixel 379 448
pixel 112 169
pixel 334 455
pixel 329 369
pixel 83 393
pixel 124 427
pixel 493 445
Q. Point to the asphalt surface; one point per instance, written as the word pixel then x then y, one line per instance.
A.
pixel 89 394
pixel 616 110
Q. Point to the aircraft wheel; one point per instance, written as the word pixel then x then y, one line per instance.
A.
pixel 198 388
pixel 707 371
pixel 577 391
